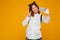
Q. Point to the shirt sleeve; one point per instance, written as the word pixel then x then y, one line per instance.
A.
pixel 47 18
pixel 25 21
pixel 45 10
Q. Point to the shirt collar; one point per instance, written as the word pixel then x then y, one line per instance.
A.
pixel 36 14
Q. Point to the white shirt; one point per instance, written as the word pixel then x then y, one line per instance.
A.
pixel 33 29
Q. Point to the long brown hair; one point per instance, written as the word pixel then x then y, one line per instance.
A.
pixel 30 8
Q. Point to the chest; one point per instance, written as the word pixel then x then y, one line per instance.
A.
pixel 35 20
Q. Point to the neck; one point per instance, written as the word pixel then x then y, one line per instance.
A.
pixel 35 13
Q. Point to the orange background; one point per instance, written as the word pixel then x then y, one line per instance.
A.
pixel 13 12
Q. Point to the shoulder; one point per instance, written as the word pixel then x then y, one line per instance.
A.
pixel 40 14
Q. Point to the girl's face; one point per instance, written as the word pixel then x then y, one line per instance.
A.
pixel 34 9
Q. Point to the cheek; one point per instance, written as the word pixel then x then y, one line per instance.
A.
pixel 35 10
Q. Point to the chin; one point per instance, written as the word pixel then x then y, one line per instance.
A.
pixel 35 12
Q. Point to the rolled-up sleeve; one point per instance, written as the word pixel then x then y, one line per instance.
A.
pixel 45 10
pixel 25 21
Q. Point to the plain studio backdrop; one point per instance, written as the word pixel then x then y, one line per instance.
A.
pixel 13 12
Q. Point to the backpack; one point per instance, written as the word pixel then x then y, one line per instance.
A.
pixel 40 19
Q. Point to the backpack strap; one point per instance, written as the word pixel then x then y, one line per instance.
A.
pixel 28 21
pixel 41 19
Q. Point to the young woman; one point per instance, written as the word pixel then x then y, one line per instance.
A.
pixel 33 20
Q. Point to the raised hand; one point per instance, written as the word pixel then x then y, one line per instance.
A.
pixel 29 14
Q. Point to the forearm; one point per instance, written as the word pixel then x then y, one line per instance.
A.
pixel 42 9
pixel 45 10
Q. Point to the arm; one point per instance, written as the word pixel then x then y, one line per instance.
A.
pixel 45 10
pixel 45 19
pixel 25 21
